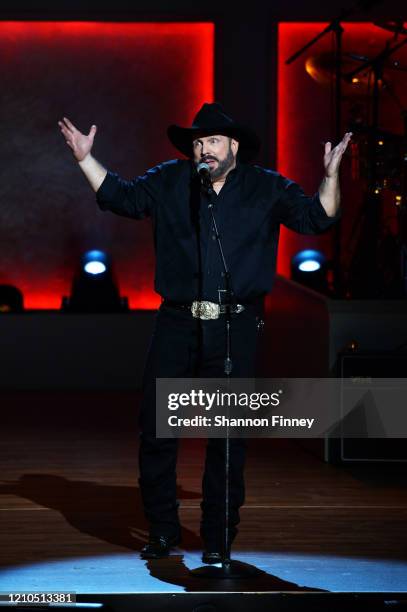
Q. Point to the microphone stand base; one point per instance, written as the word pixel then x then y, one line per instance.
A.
pixel 229 570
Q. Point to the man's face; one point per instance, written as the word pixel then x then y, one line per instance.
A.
pixel 218 151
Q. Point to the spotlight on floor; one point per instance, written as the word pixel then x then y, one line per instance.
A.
pixel 94 288
pixel 309 267
pixel 11 299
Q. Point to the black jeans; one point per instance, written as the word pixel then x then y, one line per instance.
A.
pixel 184 347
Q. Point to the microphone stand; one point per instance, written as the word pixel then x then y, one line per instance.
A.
pixel 229 569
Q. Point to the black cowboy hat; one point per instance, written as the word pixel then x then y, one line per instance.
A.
pixel 211 119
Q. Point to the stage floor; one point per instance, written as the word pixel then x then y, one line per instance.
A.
pixel 71 517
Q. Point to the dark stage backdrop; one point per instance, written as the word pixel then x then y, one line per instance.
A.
pixel 305 121
pixel 130 79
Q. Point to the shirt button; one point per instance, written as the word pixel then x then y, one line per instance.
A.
pixel 213 237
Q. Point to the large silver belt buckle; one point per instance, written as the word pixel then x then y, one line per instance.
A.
pixel 205 310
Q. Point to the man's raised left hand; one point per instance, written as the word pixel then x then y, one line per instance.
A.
pixel 333 156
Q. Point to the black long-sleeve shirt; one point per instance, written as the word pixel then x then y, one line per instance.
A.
pixel 249 209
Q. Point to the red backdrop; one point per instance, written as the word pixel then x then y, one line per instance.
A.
pixel 132 80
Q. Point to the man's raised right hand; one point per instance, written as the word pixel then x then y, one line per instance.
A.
pixel 81 144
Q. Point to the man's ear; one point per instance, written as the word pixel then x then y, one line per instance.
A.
pixel 235 146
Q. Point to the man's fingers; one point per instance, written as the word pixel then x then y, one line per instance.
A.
pixel 338 155
pixel 69 124
pixel 346 139
pixel 333 157
pixel 66 134
pixel 92 130
pixel 68 138
pixel 340 147
pixel 64 130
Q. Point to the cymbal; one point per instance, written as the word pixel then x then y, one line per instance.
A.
pixel 322 69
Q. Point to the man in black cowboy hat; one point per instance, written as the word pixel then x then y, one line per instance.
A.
pixel 189 337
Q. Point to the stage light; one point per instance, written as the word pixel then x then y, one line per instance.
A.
pixel 309 267
pixel 94 288
pixel 309 260
pixel 11 299
pixel 95 267
pixel 94 262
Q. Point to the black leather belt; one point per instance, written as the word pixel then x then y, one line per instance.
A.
pixel 203 309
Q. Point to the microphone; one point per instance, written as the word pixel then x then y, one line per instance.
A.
pixel 203 171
